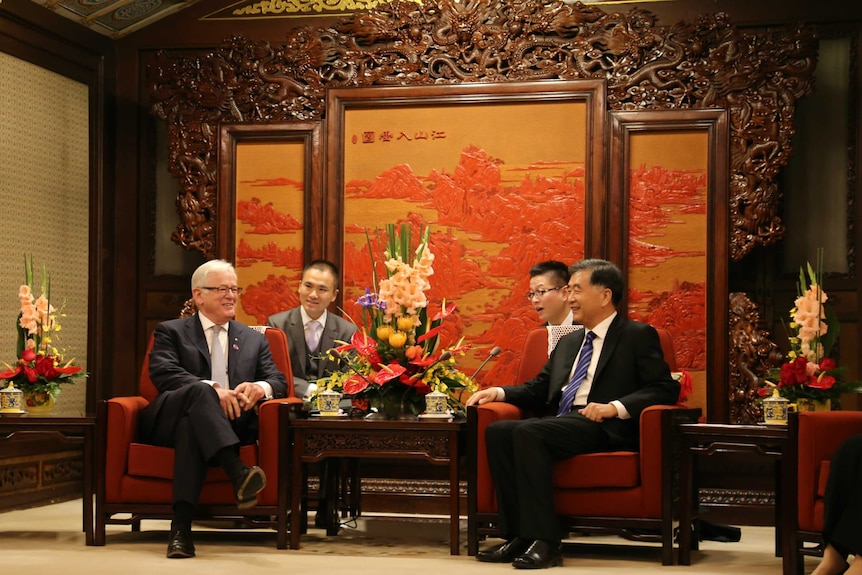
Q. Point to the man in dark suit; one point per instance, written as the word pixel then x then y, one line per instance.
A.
pixel 581 407
pixel 311 330
pixel 210 372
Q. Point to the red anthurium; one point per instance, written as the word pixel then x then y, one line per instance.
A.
pixel 10 373
pixel 424 361
pixel 69 370
pixel 388 373
pixel 429 334
pixel 363 343
pixel 822 382
pixel 355 384
pixel 446 310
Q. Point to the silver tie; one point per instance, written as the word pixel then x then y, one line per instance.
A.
pixel 312 337
pixel 219 365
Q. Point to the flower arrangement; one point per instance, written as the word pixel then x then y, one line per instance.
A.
pixel 809 372
pixel 397 357
pixel 41 367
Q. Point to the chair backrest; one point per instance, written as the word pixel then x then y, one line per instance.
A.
pixel 667 350
pixel 535 353
pixel 277 340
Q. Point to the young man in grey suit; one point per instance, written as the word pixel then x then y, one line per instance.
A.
pixel 308 342
pixel 210 372
pixel 587 398
pixel 311 331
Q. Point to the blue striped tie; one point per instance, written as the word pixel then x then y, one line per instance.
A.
pixel 568 399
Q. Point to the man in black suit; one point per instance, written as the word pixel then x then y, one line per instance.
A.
pixel 210 372
pixel 581 407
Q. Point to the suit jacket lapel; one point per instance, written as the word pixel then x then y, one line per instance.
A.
pixel 296 339
pixel 612 338
pixel 196 335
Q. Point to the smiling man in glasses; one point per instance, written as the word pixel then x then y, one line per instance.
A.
pixel 548 290
pixel 210 372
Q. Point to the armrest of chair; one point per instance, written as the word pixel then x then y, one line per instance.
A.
pixel 657 436
pixel 268 431
pixel 480 486
pixel 121 430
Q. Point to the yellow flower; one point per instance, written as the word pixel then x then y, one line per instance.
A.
pixel 398 339
pixel 405 323
pixel 383 332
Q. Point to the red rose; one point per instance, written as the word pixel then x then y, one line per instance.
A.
pixel 794 372
pixel 45 367
pixel 827 364
pixel 28 355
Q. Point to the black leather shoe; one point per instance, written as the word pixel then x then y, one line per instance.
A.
pixel 180 545
pixel 250 483
pixel 504 552
pixel 540 555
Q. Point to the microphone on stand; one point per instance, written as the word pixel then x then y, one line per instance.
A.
pixel 492 354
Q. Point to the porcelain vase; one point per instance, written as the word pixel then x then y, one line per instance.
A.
pixel 38 403
pixel 805 404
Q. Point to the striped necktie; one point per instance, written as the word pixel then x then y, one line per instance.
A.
pixel 568 399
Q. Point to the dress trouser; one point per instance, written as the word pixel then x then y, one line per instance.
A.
pixel 842 526
pixel 191 421
pixel 520 456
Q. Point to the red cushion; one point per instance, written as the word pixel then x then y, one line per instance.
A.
pixel 158 462
pixel 611 469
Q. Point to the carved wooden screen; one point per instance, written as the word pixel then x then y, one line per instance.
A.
pixel 271 211
pixel 669 202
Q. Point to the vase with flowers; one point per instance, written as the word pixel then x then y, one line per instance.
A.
pixel 810 376
pixel 41 367
pixel 397 356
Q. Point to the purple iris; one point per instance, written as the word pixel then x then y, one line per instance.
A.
pixel 370 300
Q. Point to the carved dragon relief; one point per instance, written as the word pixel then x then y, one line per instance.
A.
pixel 752 354
pixel 757 75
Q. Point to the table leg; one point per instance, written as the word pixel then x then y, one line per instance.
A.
pixel 89 483
pixel 686 497
pixel 296 499
pixel 454 497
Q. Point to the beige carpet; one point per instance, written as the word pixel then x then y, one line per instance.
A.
pixel 48 540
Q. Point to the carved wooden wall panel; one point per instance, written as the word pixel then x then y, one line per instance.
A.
pixel 757 75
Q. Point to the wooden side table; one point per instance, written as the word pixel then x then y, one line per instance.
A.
pixel 317 438
pixel 68 429
pixel 707 439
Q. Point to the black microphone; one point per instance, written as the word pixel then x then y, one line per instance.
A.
pixel 493 353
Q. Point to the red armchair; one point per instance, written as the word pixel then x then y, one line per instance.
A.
pixel 136 479
pixel 627 493
pixel 813 439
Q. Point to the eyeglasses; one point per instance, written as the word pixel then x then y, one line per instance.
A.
pixel 540 292
pixel 222 290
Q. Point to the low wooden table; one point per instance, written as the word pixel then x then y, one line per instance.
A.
pixel 707 439
pixel 68 429
pixel 318 438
